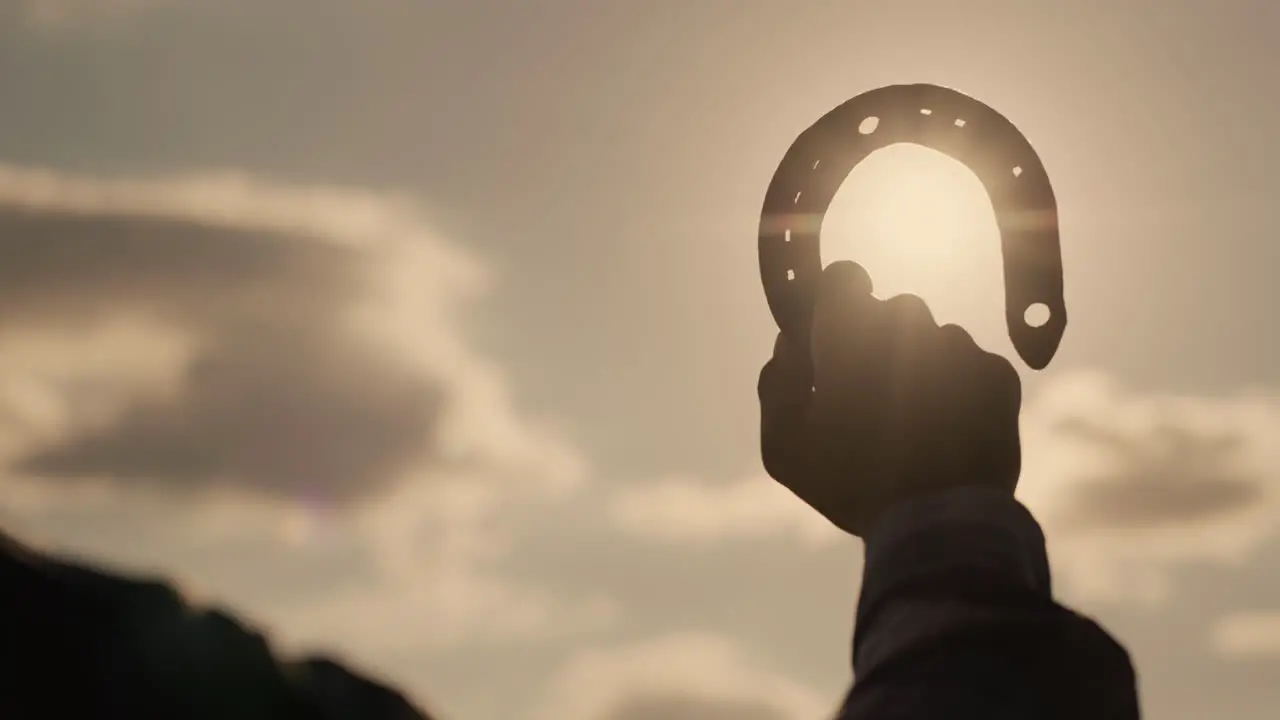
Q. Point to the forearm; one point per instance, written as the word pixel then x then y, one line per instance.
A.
pixel 957 620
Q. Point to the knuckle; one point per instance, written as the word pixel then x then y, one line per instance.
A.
pixel 1004 376
pixel 907 313
pixel 777 457
pixel 779 345
pixel 763 382
pixel 998 367
pixel 846 276
pixel 1012 381
pixel 768 459
pixel 908 305
pixel 957 338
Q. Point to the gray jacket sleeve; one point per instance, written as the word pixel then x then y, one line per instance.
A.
pixel 957 620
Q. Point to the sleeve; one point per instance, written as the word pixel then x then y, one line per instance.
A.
pixel 956 620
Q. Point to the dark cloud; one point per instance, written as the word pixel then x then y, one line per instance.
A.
pixel 281 399
pixel 83 266
pixel 1170 477
pixel 677 707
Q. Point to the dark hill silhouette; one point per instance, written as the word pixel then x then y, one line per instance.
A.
pixel 77 642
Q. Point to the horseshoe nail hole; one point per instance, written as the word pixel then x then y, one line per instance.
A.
pixel 959 122
pixel 926 111
pixel 1036 315
pixel 786 237
pixel 1017 170
pixel 869 125
pixel 791 274
pixel 796 199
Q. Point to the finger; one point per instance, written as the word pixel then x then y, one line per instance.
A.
pixel 959 345
pixel 957 348
pixel 1005 384
pixel 994 375
pixel 785 390
pixel 956 338
pixel 1003 407
pixel 910 322
pixel 912 310
pixel 843 306
pixel 909 345
pixel 844 276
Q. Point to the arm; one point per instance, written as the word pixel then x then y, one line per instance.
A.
pixel 957 620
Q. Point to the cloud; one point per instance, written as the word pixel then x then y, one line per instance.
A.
pixel 1247 635
pixel 681 510
pixel 308 333
pixel 1128 485
pixel 264 391
pixel 675 677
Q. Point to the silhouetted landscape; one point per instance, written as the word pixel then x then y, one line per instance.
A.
pixel 88 642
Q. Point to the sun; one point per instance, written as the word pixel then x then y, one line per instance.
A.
pixel 921 222
pixel 916 201
pixel 906 205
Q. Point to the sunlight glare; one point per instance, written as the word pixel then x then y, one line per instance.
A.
pixel 921 222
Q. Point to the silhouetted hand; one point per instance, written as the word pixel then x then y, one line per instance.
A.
pixel 884 406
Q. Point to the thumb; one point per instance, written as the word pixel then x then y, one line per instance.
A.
pixel 785 390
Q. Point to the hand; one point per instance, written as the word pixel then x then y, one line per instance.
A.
pixel 884 406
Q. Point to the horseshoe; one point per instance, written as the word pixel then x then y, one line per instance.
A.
pixel 944 120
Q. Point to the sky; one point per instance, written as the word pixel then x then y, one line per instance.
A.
pixel 426 333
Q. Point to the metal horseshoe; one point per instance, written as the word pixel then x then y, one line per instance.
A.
pixel 944 120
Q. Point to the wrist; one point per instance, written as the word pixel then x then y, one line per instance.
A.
pixel 977 527
pixel 943 549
